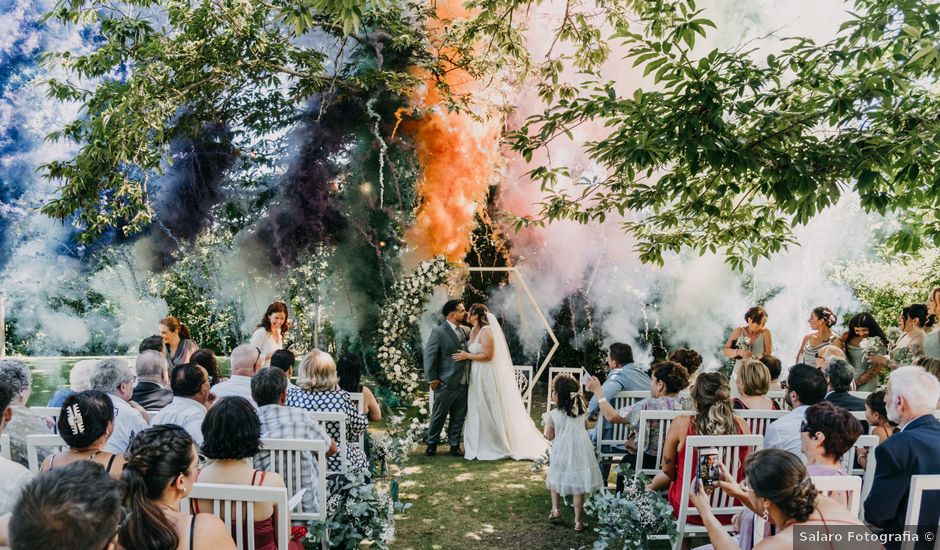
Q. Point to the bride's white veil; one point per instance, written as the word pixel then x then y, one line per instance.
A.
pixel 501 357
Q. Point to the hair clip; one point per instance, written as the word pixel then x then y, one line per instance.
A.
pixel 574 394
pixel 75 420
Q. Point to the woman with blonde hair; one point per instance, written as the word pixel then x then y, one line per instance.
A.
pixel 318 390
pixel 753 384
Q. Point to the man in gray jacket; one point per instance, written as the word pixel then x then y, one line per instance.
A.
pixel 449 379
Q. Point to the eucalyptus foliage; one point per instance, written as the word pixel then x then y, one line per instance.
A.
pixel 726 152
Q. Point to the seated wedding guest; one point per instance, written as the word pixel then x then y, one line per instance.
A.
pixel 318 391
pixel 713 415
pixel 821 320
pixel 269 388
pixel 347 368
pixel 624 375
pixel 207 360
pixel 85 424
pixel 839 377
pixel 24 421
pixel 114 377
pixel 178 346
pixel 862 327
pixel 14 475
pixel 246 360
pixel 269 336
pixel 929 364
pixel 151 391
pixel 688 358
pixel 876 414
pixel 827 433
pixel 79 381
pixel 779 489
pixel 162 465
pixel 750 341
pixel 667 379
pixel 753 384
pixel 191 400
pixel 77 507
pixel 154 343
pixel 910 398
pixel 774 367
pixel 826 354
pixel 284 359
pixel 231 435
pixel 806 386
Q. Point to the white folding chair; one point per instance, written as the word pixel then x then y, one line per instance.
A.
pixel 523 375
pixel 576 372
pixel 850 485
pixel 359 400
pixel 234 504
pixel 5 449
pixel 920 484
pixel 619 433
pixel 49 412
pixel 286 458
pixel 728 447
pixel 758 420
pixel 325 418
pixel 780 398
pixel 647 419
pixel 35 441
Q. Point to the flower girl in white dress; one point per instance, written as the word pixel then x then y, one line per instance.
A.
pixel 572 466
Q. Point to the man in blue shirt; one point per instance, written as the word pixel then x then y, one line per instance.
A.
pixel 624 375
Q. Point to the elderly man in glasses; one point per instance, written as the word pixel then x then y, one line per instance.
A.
pixel 115 378
pixel 246 360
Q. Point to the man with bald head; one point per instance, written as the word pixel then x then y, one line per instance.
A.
pixel 246 360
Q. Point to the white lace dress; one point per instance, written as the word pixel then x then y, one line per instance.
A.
pixel 498 425
pixel 572 468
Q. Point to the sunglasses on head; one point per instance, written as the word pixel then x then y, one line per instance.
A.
pixel 804 427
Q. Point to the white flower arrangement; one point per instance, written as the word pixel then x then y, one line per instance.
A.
pixel 409 297
pixel 870 345
pixel 743 342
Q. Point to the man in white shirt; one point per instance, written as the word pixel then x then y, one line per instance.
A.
pixel 190 383
pixel 115 378
pixel 13 475
pixel 805 386
pixel 246 360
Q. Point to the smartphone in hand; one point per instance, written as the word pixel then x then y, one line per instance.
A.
pixel 708 470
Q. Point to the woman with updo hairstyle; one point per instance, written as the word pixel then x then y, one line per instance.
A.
pixel 206 359
pixel 85 423
pixel 714 415
pixel 162 464
pixel 178 346
pixel 753 384
pixel 779 488
pixel 231 434
pixel 688 358
pixel 749 341
pixel 821 320
pixel 269 336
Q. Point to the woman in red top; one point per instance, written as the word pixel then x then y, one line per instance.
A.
pixel 713 416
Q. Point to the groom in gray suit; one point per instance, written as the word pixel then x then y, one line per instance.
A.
pixel 448 378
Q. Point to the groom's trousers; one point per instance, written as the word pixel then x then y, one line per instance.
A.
pixel 452 401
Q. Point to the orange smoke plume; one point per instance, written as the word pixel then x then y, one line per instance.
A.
pixel 458 158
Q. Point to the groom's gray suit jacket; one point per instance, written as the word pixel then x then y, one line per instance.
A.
pixel 438 363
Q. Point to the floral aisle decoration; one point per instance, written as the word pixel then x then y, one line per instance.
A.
pixel 396 350
pixel 357 512
pixel 627 520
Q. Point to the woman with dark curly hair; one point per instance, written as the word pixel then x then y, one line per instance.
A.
pixel 161 469
pixel 779 489
pixel 86 421
pixel 821 320
pixel 862 327
pixel 269 336
pixel 206 359
pixel 232 433
pixel 688 358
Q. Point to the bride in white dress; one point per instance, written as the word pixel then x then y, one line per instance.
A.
pixel 498 424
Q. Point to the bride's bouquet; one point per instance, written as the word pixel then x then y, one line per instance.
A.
pixel 743 342
pixel 870 345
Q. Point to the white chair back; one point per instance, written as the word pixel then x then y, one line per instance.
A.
pixel 35 441
pixel 234 504
pixel 758 420
pixel 919 484
pixel 5 449
pixel 359 400
pixel 860 394
pixel 576 372
pixel 729 447
pixel 620 431
pixel 869 442
pixel 850 486
pixel 49 412
pixel 780 398
pixel 648 419
pixel 523 375
pixel 286 458
pixel 325 419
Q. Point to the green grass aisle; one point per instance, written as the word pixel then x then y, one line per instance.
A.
pixel 462 504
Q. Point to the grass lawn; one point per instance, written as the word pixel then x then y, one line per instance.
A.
pixel 462 504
